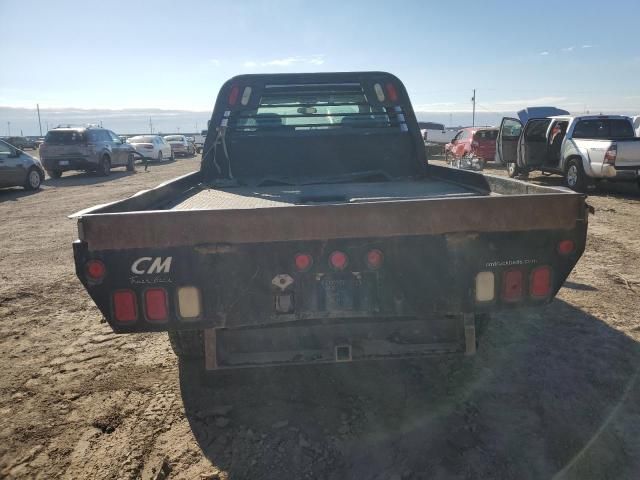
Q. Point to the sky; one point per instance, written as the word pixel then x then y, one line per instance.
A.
pixel 109 57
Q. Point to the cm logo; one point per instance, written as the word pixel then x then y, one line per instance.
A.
pixel 149 265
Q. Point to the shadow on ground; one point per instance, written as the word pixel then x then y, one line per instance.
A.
pixel 73 179
pixel 16 193
pixel 550 394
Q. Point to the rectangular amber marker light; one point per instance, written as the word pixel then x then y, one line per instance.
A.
pixel 189 303
pixel 485 287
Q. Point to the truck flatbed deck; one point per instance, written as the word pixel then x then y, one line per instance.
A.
pixel 206 198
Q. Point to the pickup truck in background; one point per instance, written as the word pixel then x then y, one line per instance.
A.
pixel 583 149
pixel 315 231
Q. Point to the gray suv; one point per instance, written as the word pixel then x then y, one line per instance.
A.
pixel 90 149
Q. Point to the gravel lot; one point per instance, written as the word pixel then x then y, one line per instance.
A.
pixel 552 392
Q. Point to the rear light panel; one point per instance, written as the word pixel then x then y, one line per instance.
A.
pixel 95 270
pixel 189 303
pixel 540 282
pixel 375 259
pixel 512 285
pixel 233 95
pixel 303 262
pixel 611 154
pixel 246 95
pixel 485 287
pixel 338 260
pixel 125 308
pixel 379 92
pixel 565 247
pixel 156 305
pixel 392 93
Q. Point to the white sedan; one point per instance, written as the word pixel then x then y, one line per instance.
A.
pixel 181 146
pixel 153 147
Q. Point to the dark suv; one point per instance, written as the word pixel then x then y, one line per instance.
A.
pixel 90 149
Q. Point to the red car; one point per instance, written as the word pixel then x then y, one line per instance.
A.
pixel 472 142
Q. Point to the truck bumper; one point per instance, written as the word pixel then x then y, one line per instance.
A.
pixel 72 163
pixel 626 174
pixel 340 341
pixel 617 173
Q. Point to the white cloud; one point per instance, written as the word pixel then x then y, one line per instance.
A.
pixel 544 53
pixel 215 62
pixel 287 61
pixel 530 102
pixel 281 62
pixel 587 46
pixel 568 49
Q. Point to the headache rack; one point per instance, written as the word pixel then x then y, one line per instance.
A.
pixel 351 122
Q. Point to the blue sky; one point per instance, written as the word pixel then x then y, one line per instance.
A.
pixel 581 55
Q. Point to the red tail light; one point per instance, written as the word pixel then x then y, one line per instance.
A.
pixel 375 259
pixel 233 95
pixel 392 93
pixel 124 306
pixel 303 262
pixel 611 154
pixel 540 284
pixel 95 270
pixel 512 285
pixel 155 303
pixel 565 247
pixel 338 260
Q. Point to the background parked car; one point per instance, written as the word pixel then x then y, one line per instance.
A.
pixel 153 147
pixel 19 169
pixel 90 149
pixel 584 149
pixel 473 142
pixel 180 145
pixel 22 143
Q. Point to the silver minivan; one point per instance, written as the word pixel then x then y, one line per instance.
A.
pixel 19 169
pixel 91 149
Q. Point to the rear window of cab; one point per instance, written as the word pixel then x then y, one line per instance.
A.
pixel 604 128
pixel 486 135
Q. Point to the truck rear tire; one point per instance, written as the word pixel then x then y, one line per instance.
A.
pixel 187 344
pixel 574 176
pixel 54 173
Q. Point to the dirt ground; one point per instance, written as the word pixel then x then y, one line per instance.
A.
pixel 552 393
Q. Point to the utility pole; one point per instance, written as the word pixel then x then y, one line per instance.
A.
pixel 9 127
pixel 100 123
pixel 473 118
pixel 39 122
pixel 150 125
